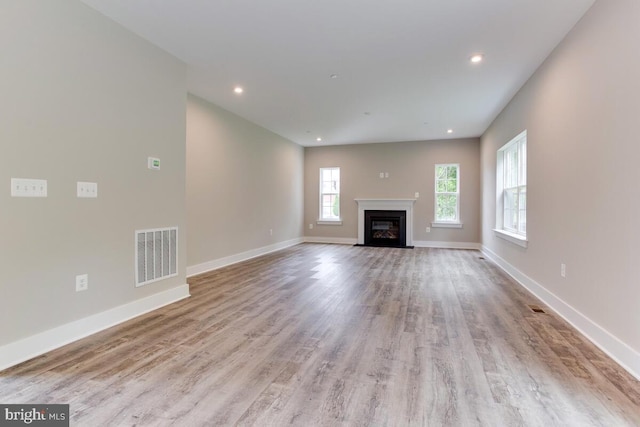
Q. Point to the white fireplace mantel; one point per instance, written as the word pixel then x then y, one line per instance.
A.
pixel 385 205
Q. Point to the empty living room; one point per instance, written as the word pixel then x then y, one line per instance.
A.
pixel 336 213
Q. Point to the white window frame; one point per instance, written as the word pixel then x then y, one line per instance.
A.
pixel 329 220
pixel 446 223
pixel 515 183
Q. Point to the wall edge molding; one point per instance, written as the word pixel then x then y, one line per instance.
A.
pixel 416 243
pixel 35 345
pixel 620 352
pixel 446 245
pixel 215 264
pixel 331 240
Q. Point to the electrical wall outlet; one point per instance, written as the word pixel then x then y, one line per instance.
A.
pixel 416 195
pixel 82 282
pixel 310 226
pixel 428 229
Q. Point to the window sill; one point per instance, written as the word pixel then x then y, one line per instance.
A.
pixel 329 222
pixel 511 237
pixel 446 225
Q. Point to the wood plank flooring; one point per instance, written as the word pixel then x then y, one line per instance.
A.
pixel 333 335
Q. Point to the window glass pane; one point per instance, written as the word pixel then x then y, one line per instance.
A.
pixel 440 207
pixel 512 161
pixel 510 209
pixel 508 219
pixel 522 210
pixel 452 172
pixel 512 198
pixel 447 207
pixel 330 207
pixel 450 214
pixel 523 164
pixel 447 186
pixel 335 178
pixel 522 221
pixel 329 193
pixel 511 171
pixel 335 206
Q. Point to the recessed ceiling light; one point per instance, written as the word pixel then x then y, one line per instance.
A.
pixel 318 139
pixel 238 90
pixel 449 130
pixel 334 76
pixel 476 58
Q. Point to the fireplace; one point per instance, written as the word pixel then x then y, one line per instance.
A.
pixel 399 215
pixel 385 228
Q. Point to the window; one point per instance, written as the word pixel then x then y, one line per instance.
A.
pixel 447 191
pixel 330 194
pixel 511 190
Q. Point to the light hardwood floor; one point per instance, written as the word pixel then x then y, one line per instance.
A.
pixel 338 335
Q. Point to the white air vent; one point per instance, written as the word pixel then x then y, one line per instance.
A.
pixel 156 254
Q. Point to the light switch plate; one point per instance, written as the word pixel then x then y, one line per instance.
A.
pixel 25 187
pixel 82 282
pixel 87 189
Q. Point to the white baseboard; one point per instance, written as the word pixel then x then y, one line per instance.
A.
pixel 446 245
pixel 335 240
pixel 243 256
pixel 27 348
pixel 416 243
pixel 624 355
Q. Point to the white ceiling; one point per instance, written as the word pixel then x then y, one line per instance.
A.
pixel 403 62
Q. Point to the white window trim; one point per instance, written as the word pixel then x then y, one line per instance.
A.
pixel 499 231
pixel 446 224
pixel 516 239
pixel 327 221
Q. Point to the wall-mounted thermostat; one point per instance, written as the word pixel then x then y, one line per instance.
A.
pixel 153 163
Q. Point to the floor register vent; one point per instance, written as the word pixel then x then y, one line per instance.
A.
pixel 536 308
pixel 156 254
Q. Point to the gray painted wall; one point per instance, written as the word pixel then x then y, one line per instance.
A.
pixel 411 169
pixel 82 100
pixel 242 182
pixel 580 109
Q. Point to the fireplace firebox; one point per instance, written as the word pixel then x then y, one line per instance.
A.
pixel 385 228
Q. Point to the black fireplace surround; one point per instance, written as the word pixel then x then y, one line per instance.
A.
pixel 385 228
